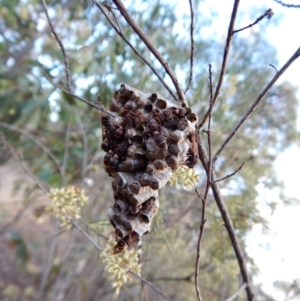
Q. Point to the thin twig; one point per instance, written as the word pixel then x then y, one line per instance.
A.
pixel 235 295
pixel 268 14
pixel 110 9
pixel 256 103
pixel 151 47
pixel 225 57
pixel 130 272
pixel 91 104
pixel 85 144
pixel 230 175
pixel 208 185
pixel 62 48
pixel 192 46
pixel 187 278
pixel 271 65
pixel 288 5
pixel 86 235
pixel 151 285
pixel 58 279
pixel 20 161
pixel 227 221
pixel 36 141
pixel 226 49
pixel 122 36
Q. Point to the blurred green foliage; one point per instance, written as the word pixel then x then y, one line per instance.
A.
pixel 70 130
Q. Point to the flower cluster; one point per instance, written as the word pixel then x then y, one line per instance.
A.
pixel 67 204
pixel 118 265
pixel 186 177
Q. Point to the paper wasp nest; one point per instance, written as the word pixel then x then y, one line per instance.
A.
pixel 148 140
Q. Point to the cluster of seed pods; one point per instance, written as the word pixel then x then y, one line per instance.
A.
pixel 148 140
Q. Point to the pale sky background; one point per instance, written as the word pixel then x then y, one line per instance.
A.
pixel 277 254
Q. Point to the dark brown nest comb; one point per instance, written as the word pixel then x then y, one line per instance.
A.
pixel 144 145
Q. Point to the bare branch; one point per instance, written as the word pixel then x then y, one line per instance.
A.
pixel 208 185
pixel 288 5
pixel 271 65
pixel 66 151
pixel 192 46
pixel 91 104
pixel 134 49
pixel 227 221
pixel 230 175
pixel 20 161
pixel 152 48
pixel 235 295
pixel 86 235
pixel 66 62
pixel 268 14
pixel 257 102
pixel 226 49
pixel 225 57
pixel 151 285
pixel 36 141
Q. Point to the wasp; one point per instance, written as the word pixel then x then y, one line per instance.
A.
pixel 159 138
pixel 192 153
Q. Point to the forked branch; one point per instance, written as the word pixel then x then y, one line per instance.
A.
pixel 207 188
pixel 61 45
pixel 225 57
pixel 122 36
pixel 268 14
pixel 257 102
pixel 119 4
pixel 227 221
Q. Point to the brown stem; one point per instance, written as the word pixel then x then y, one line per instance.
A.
pixel 208 185
pixel 268 13
pixel 256 103
pixel 151 47
pixel 151 285
pixel 91 104
pixel 225 57
pixel 230 175
pixel 192 47
pixel 36 141
pixel 66 62
pixel 227 221
pixel 119 32
pixel 288 5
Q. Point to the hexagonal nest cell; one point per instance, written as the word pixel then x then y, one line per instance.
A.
pixel 148 140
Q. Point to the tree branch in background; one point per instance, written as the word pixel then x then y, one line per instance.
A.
pixel 130 272
pixel 66 62
pixel 226 50
pixel 257 102
pixel 230 175
pixel 86 235
pixel 91 104
pixel 268 14
pixel 151 47
pixel 225 57
pixel 227 221
pixel 119 32
pixel 152 286
pixel 36 141
pixel 207 187
pixel 192 46
pixel 288 5
pixel 234 296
